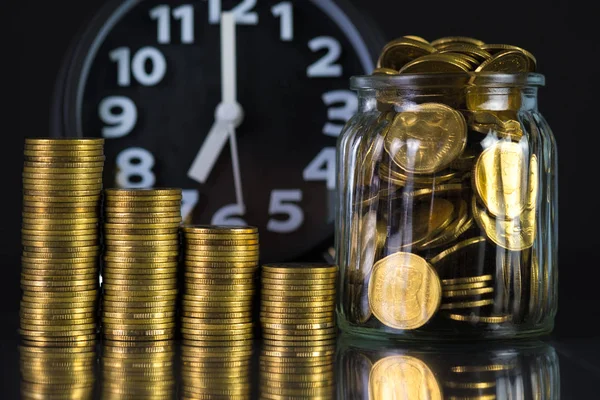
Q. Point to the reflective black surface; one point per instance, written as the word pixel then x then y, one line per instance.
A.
pixel 351 368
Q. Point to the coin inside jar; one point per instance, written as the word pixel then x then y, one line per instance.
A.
pixel 426 139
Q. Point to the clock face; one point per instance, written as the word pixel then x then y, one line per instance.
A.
pixel 241 109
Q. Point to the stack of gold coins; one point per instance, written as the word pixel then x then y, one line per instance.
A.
pixel 298 302
pixel 304 370
pixel 141 238
pixel 222 371
pixel 57 372
pixel 220 266
pixel 138 370
pixel 62 184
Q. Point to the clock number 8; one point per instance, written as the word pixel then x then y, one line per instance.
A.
pixel 135 168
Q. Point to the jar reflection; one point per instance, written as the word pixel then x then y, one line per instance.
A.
pixel 138 370
pixel 65 372
pixel 524 371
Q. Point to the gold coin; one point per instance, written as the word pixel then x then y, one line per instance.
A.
pixel 463 286
pixel 299 268
pixel 507 62
pixel 129 256
pixel 417 38
pixel 499 178
pixel 497 319
pixel 273 277
pixel 466 304
pixel 307 283
pixel 231 259
pixel 459 225
pixel 459 246
pixel 277 322
pixel 468 49
pixel 451 40
pixel 134 208
pixel 210 316
pixel 403 377
pixel 57 142
pixel 514 234
pixel 496 48
pixel 217 229
pixel 45 169
pixel 428 220
pixel 439 130
pixel 198 301
pixel 143 193
pixel 313 304
pixel 399 52
pixel 404 291
pixel 435 63
pixel 157 244
pixel 468 279
pixel 384 71
pixel 467 292
pixel 218 249
pixel 141 221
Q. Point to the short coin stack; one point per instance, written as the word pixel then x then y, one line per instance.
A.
pixel 220 267
pixel 141 238
pixel 298 302
pixel 57 372
pixel 62 184
pixel 138 370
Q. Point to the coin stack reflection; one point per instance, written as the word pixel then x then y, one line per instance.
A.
pixel 302 371
pixel 141 237
pixel 138 370
pixel 62 183
pixel 220 264
pixel 298 324
pixel 222 371
pixel 57 372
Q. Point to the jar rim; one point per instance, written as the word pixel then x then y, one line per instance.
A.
pixel 482 79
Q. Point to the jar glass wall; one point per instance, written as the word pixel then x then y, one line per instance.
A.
pixel 446 219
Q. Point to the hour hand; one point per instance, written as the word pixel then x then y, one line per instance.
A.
pixel 209 152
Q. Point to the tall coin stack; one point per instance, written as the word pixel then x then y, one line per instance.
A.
pixel 298 324
pixel 138 370
pixel 57 372
pixel 220 267
pixel 62 184
pixel 141 238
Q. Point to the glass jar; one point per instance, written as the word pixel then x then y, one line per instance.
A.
pixel 447 209
pixel 502 370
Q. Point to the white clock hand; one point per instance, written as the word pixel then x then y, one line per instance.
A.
pixel 228 59
pixel 228 115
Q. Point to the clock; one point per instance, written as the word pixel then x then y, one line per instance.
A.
pixel 238 102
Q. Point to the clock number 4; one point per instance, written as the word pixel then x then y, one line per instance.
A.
pixel 283 202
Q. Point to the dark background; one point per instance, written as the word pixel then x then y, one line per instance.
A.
pixel 562 36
